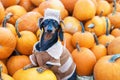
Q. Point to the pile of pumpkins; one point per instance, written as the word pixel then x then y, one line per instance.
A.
pixel 91 34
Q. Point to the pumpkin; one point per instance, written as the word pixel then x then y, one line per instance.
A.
pixel 104 6
pixel 84 59
pixel 98 49
pixel 4 68
pixel 4 76
pixel 29 22
pixel 108 68
pixel 82 12
pixel 97 25
pixel 69 5
pixel 7 43
pixel 117 6
pixel 25 41
pixel 114 46
pixel 7 25
pixel 27 4
pixel 71 25
pixel 2 12
pixel 67 42
pixel 53 4
pixel 34 74
pixel 8 3
pixel 105 39
pixel 83 38
pixel 116 32
pixel 114 17
pixel 16 11
pixel 38 33
pixel 17 62
pixel 37 2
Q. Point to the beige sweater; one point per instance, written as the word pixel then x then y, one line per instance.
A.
pixel 59 57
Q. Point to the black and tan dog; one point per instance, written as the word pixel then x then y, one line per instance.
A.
pixel 49 52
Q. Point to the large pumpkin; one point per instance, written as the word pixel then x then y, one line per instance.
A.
pixel 82 12
pixel 108 68
pixel 34 74
pixel 7 43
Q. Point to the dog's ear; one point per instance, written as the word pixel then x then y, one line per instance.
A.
pixel 40 22
pixel 61 36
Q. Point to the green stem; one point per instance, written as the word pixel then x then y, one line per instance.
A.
pixel 96 39
pixel 16 28
pixel 77 46
pixel 114 58
pixel 83 29
pixel 1 72
pixel 107 30
pixel 114 3
pixel 7 17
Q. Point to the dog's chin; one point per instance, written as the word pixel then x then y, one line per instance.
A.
pixel 48 36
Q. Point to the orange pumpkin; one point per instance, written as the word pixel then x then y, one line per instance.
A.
pixel 4 68
pixel 2 12
pixel 98 49
pixel 116 32
pixel 37 2
pixel 83 38
pixel 27 4
pixel 7 43
pixel 54 4
pixel 67 42
pixel 29 22
pixel 16 11
pixel 71 25
pixel 85 61
pixel 114 46
pixel 69 5
pixel 82 12
pixel 25 41
pixel 8 3
pixel 108 68
pixel 36 73
pixel 104 6
pixel 17 62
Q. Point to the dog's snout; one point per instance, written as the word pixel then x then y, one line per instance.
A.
pixel 49 29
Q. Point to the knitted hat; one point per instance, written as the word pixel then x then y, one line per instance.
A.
pixel 52 14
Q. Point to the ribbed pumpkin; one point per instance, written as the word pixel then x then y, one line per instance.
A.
pixel 116 32
pixel 8 3
pixel 17 62
pixel 2 12
pixel 82 12
pixel 17 11
pixel 108 68
pixel 7 43
pixel 85 61
pixel 25 41
pixel 29 22
pixel 114 46
pixel 54 4
pixel 4 68
pixel 71 25
pixel 34 74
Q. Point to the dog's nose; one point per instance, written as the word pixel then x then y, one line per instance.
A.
pixel 49 29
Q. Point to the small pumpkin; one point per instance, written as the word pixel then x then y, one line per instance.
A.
pixel 83 13
pixel 115 32
pixel 25 41
pixel 2 12
pixel 7 43
pixel 4 67
pixel 37 2
pixel 36 73
pixel 17 62
pixel 84 59
pixel 16 11
pixel 108 68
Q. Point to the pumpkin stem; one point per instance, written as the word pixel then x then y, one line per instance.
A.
pixel 114 58
pixel 1 72
pixel 83 29
pixel 7 17
pixel 16 28
pixel 40 70
pixel 101 13
pixel 107 31
pixel 96 39
pixel 77 46
pixel 114 5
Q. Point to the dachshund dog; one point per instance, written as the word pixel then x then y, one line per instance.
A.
pixel 49 53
